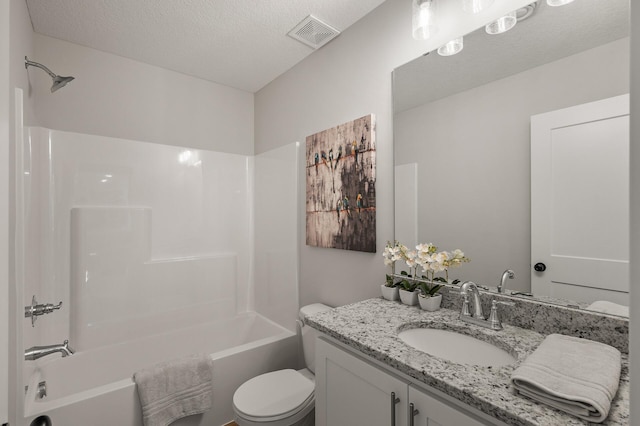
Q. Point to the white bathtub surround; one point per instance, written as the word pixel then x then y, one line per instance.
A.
pixel 174 389
pixel 240 348
pixel 575 375
pixel 118 292
pixel 157 252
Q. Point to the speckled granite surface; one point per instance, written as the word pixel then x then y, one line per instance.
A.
pixel 548 318
pixel 371 327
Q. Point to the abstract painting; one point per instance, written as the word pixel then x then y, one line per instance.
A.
pixel 341 186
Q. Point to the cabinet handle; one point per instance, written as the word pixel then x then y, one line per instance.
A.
pixel 412 413
pixel 394 401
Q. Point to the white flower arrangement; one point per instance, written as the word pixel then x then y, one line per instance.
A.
pixel 425 256
pixel 392 253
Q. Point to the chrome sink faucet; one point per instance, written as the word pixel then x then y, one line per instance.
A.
pixel 476 304
pixel 508 274
pixel 37 352
pixel 474 314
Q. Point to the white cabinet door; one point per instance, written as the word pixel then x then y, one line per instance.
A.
pixel 352 392
pixel 433 412
pixel 580 201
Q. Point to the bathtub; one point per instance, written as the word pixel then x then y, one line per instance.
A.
pixel 95 388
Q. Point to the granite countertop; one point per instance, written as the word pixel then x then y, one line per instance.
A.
pixel 371 327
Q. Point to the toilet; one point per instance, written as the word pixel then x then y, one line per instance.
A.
pixel 283 397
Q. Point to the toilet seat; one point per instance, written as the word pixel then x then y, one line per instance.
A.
pixel 271 397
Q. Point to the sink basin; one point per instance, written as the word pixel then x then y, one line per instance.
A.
pixel 456 347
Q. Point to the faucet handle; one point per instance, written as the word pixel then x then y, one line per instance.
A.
pixel 494 317
pixel 36 309
pixel 465 312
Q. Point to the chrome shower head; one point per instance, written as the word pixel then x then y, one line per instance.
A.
pixel 58 81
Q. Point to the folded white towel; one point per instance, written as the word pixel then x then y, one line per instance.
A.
pixel 575 375
pixel 609 308
pixel 174 389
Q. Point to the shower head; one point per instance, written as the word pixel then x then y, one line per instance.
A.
pixel 58 81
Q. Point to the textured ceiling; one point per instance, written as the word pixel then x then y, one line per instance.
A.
pixel 238 43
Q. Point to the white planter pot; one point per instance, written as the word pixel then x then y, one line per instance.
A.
pixel 409 297
pixel 430 303
pixel 389 293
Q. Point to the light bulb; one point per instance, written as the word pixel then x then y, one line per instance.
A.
pixel 558 2
pixel 502 24
pixel 423 18
pixel 452 47
pixel 475 6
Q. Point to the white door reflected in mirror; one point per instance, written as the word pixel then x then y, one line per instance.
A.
pixel 580 202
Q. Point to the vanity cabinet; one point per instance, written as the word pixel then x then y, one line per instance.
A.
pixel 352 391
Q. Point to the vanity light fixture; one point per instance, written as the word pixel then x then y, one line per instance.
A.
pixel 502 24
pixel 508 21
pixel 452 47
pixel 558 2
pixel 476 6
pixel 423 18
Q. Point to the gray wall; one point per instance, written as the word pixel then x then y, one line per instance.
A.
pixel 473 153
pixel 634 345
pixel 4 213
pixel 346 79
pixel 20 45
pixel 118 97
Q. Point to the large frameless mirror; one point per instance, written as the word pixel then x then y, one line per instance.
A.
pixel 462 134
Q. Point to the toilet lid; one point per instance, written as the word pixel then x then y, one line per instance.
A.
pixel 273 394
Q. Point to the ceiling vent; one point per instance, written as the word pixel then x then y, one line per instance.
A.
pixel 313 32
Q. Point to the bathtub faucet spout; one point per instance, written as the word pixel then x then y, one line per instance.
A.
pixel 38 352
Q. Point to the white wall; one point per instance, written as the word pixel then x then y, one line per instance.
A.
pixel 4 212
pixel 474 146
pixel 346 79
pixel 161 232
pixel 275 235
pixel 20 45
pixel 118 97
pixel 634 345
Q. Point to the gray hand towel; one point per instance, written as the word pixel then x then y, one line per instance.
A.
pixel 174 389
pixel 578 376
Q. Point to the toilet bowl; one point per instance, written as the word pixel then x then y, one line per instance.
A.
pixel 283 397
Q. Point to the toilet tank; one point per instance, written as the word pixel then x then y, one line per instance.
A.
pixel 309 334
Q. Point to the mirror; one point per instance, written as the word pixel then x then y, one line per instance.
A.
pixel 462 130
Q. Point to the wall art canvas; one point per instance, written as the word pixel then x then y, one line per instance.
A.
pixel 341 186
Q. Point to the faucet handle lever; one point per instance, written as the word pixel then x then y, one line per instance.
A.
pixel 36 309
pixel 465 312
pixel 494 318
